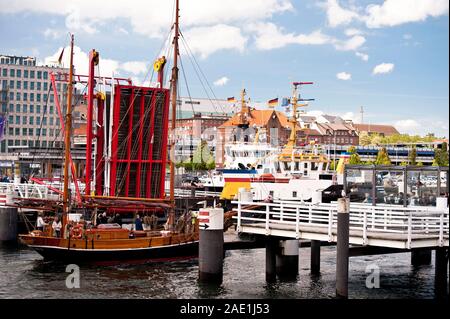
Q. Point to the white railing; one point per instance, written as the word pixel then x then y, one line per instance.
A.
pixel 198 193
pixel 388 221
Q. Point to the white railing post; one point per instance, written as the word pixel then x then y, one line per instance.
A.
pixel 409 229
pixel 297 222
pixel 330 225
pixel 441 230
pixel 238 228
pixel 310 214
pixel 267 219
pixel 373 217
pixel 365 228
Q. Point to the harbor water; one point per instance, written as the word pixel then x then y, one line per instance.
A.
pixel 25 275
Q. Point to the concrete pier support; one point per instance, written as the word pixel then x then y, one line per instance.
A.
pixel 420 257
pixel 440 283
pixel 287 259
pixel 8 224
pixel 211 252
pixel 342 249
pixel 272 247
pixel 315 257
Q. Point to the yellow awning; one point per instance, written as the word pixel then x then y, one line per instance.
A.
pixel 231 189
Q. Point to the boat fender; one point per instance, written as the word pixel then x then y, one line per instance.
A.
pixel 76 232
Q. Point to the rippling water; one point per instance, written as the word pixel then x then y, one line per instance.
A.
pixel 23 274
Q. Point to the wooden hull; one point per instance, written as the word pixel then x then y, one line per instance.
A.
pixel 113 251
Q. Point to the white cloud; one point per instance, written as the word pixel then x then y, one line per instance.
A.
pixel 135 67
pixel 407 36
pixel 352 31
pixel 407 126
pixel 383 68
pixel 207 40
pixel 107 66
pixel 337 15
pixel 350 116
pixel 344 76
pixel 52 33
pixel 222 81
pixel 396 12
pixel 362 56
pixel 350 44
pixel 150 17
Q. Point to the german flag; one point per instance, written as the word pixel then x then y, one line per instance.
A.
pixel 231 99
pixel 272 103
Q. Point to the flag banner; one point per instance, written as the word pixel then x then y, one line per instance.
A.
pixel 273 102
pixel 285 101
pixel 231 99
pixel 2 126
pixel 61 56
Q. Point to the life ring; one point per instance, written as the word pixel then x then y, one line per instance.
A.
pixel 76 232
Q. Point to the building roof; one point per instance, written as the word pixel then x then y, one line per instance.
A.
pixel 306 118
pixel 377 128
pixel 309 131
pixel 258 118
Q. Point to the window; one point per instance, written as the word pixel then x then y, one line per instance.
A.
pixel 17 130
pixel 31 74
pixel 38 97
pixel 44 121
pixel 44 132
pixel 31 97
pixel 38 86
pixel 294 194
pixel 24 143
pixel 4 107
pixel 11 84
pixel 30 132
pixel 17 143
pixel 11 131
pixel 12 73
pixel 31 85
pixel 25 96
pixel 17 120
pixel 3 147
pixel 10 142
pixel 19 73
pixel 51 120
pixel 10 119
pixel 51 109
pixel 18 85
pixel 38 131
pixel 24 120
pixel 31 108
pixel 11 96
pixel 39 75
pixel 25 74
pixel 38 109
pixel 31 120
pixel 25 85
pixel 37 143
pixel 24 131
pixel 45 86
pixel 44 144
pixel 25 108
pixel 50 133
pixel 45 75
pixel 17 108
pixel 18 96
pixel 45 96
pixel 11 108
pixel 5 72
pixel 30 143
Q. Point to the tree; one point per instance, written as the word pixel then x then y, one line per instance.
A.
pixel 441 156
pixel 413 156
pixel 202 156
pixel 364 139
pixel 354 157
pixel 383 157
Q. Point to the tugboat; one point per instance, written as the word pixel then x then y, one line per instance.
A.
pixel 129 176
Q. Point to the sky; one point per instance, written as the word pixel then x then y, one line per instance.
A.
pixel 391 57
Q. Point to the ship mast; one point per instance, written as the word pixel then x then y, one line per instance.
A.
pixel 293 120
pixel 68 128
pixel 174 81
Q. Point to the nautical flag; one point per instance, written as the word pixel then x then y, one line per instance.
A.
pixel 272 103
pixel 285 101
pixel 61 56
pixel 231 99
pixel 2 126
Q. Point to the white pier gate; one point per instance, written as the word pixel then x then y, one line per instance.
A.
pixel 382 225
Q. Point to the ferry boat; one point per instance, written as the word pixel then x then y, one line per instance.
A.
pixel 127 179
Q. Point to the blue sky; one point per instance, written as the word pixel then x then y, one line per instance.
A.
pixel 391 57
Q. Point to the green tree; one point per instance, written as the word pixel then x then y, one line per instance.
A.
pixel 413 156
pixel 364 139
pixel 383 157
pixel 354 157
pixel 441 156
pixel 202 156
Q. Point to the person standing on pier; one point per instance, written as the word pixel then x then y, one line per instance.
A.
pixel 138 223
pixel 40 223
pixel 56 226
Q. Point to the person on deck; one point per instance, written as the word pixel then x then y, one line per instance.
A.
pixel 56 226
pixel 138 223
pixel 40 223
pixel 118 219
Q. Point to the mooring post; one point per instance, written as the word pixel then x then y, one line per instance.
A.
pixel 211 252
pixel 342 249
pixel 272 245
pixel 287 259
pixel 440 279
pixel 8 218
pixel 315 257
pixel 420 257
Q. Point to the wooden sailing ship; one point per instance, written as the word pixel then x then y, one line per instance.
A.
pixel 129 175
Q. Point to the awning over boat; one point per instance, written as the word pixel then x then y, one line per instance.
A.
pixel 231 189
